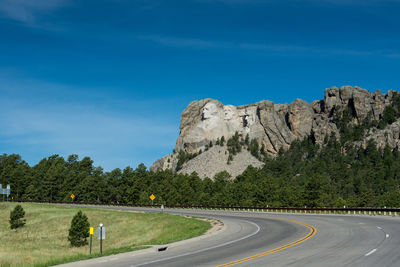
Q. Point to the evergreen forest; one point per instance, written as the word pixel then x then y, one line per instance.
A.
pixel 335 174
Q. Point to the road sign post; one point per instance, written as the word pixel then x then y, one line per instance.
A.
pixel 72 197
pixel 5 191
pixel 152 197
pixel 101 234
pixel 101 239
pixel 8 191
pixel 91 235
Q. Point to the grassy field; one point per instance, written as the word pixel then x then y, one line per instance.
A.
pixel 43 240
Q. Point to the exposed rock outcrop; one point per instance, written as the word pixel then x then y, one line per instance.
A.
pixel 390 136
pixel 276 126
pixel 214 161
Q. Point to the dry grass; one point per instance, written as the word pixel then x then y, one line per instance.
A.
pixel 43 240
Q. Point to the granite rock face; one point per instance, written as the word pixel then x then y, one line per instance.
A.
pixel 277 125
pixel 213 161
pixel 390 136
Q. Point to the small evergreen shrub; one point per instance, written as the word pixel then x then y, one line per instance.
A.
pixel 222 141
pixel 79 231
pixel 16 217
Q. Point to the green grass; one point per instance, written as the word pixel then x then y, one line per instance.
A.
pixel 43 240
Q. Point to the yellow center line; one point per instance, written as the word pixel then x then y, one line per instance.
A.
pixel 312 232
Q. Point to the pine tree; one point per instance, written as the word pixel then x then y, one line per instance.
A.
pixel 247 139
pixel 79 231
pixel 16 216
pixel 254 148
pixel 222 141
pixel 262 150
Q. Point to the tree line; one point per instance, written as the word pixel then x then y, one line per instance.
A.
pixel 306 174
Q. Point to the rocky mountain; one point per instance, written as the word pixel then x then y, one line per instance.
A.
pixel 276 126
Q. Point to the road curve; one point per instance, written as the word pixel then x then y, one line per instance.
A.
pixel 260 239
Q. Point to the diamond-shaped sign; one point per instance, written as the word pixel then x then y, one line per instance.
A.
pixel 72 196
pixel 152 197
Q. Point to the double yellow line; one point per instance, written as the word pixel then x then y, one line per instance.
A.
pixel 312 232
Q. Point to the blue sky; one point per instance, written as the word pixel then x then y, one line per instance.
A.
pixel 109 79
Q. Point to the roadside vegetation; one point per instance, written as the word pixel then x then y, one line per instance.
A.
pixel 43 241
pixel 335 174
pixel 17 217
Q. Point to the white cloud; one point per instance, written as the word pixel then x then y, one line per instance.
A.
pixel 318 2
pixel 349 2
pixel 188 42
pixel 26 11
pixel 233 2
pixel 283 49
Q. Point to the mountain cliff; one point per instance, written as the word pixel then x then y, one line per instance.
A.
pixel 276 126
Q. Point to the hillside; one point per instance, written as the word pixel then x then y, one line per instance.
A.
pixel 276 126
pixel 214 160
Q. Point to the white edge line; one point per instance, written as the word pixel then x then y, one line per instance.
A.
pixel 204 249
pixel 369 253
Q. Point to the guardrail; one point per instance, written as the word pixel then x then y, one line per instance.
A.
pixel 351 211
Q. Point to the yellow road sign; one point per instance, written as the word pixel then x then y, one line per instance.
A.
pixel 152 197
pixel 72 196
pixel 91 231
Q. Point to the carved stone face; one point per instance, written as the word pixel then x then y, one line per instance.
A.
pixel 228 113
pixel 209 110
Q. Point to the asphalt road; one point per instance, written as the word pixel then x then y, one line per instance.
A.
pixel 265 239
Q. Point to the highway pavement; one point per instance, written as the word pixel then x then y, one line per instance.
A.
pixel 273 239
